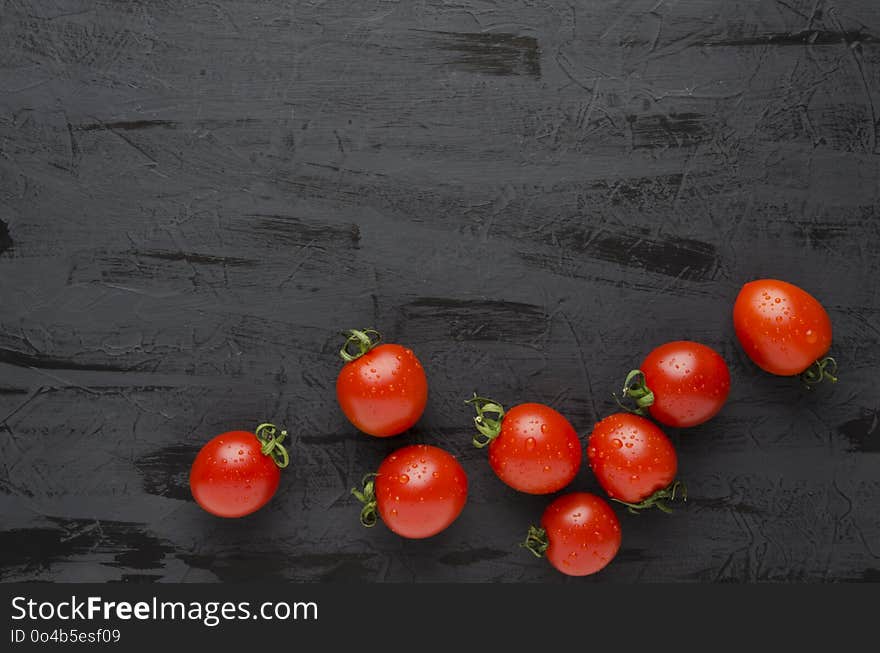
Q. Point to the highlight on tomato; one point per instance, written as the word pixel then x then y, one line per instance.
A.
pixel 532 447
pixel 417 492
pixel 680 384
pixel 237 473
pixel 785 330
pixel 579 534
pixel 634 462
pixel 382 388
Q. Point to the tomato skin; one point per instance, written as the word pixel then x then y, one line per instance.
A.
pixel 583 533
pixel 690 382
pixel 781 327
pixel 420 490
pixel 231 477
pixel 631 457
pixel 537 451
pixel 384 392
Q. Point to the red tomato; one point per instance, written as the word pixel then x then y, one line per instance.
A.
pixel 784 330
pixel 681 383
pixel 579 534
pixel 634 461
pixel 237 473
pixel 418 491
pixel 382 389
pixel 532 447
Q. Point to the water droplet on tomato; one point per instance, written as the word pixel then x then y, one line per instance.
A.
pixel 404 478
pixel 436 474
pixel 543 428
pixel 394 511
pixel 811 336
pixel 546 468
pixel 530 443
pixel 629 445
pixel 617 443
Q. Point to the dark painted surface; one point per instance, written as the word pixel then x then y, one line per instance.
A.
pixel 196 196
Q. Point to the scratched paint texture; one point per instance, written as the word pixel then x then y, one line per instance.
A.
pixel 195 197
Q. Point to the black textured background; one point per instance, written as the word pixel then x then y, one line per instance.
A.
pixel 196 196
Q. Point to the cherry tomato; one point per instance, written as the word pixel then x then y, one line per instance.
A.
pixel 680 383
pixel 418 491
pixel 237 472
pixel 579 534
pixel 382 389
pixel 784 330
pixel 634 461
pixel 532 447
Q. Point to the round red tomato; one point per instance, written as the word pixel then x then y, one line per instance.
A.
pixel 579 534
pixel 532 447
pixel 418 491
pixel 237 473
pixel 634 461
pixel 382 389
pixel 784 330
pixel 681 383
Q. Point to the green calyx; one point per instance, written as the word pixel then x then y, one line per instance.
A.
pixel 363 341
pixel 536 541
pixel 636 388
pixel 824 369
pixel 658 499
pixel 489 427
pixel 367 496
pixel 270 438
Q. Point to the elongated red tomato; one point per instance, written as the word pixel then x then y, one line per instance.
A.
pixel 532 447
pixel 634 461
pixel 680 383
pixel 236 473
pixel 418 492
pixel 579 534
pixel 784 330
pixel 382 389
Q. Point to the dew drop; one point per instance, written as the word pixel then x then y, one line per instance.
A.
pixel 617 443
pixel 530 444
pixel 404 478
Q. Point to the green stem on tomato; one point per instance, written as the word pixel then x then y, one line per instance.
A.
pixel 489 427
pixel 635 387
pixel 363 339
pixel 367 496
pixel 822 370
pixel 271 438
pixel 658 499
pixel 536 541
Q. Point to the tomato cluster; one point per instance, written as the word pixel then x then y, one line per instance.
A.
pixel 420 490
